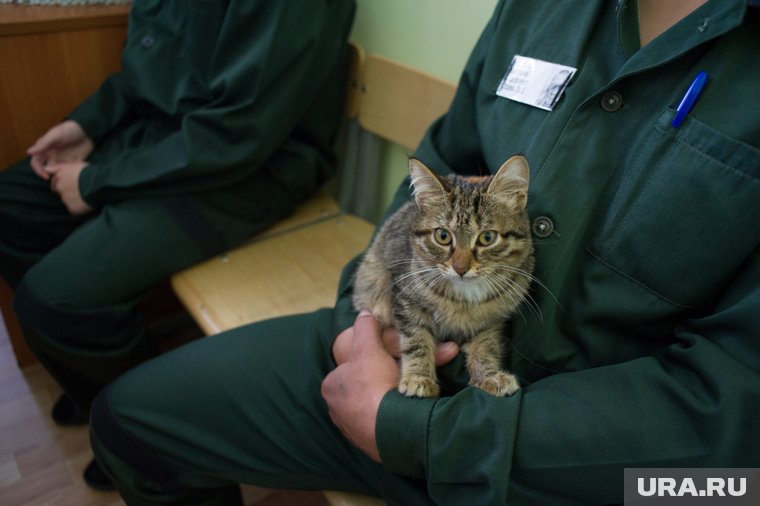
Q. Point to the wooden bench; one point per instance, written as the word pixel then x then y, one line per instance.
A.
pixel 255 281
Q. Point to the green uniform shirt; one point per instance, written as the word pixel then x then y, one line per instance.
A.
pixel 646 351
pixel 213 91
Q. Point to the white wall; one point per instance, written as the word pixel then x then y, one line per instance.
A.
pixel 432 35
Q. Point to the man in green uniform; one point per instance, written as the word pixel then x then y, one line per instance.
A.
pixel 647 227
pixel 221 120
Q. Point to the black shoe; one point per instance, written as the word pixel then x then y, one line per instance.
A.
pixel 96 478
pixel 65 412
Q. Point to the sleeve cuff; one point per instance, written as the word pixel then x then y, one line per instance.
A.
pixel 86 186
pixel 402 433
pixel 91 125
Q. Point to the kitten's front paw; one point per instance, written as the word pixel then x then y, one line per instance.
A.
pixel 499 384
pixel 419 386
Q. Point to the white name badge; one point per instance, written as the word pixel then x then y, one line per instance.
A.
pixel 535 82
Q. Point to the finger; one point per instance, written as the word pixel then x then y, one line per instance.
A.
pixel 44 142
pixel 51 169
pixel 54 184
pixel 391 341
pixel 445 353
pixel 38 166
pixel 341 347
pixel 367 333
pixel 36 148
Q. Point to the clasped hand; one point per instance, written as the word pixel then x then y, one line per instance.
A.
pixel 59 157
pixel 367 369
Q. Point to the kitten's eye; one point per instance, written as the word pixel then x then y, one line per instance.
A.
pixel 487 238
pixel 442 236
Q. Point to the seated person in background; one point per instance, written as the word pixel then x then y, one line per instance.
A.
pixel 220 121
pixel 646 353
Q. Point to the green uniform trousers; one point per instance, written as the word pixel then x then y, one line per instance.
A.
pixel 77 280
pixel 159 427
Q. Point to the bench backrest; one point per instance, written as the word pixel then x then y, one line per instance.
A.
pixel 399 102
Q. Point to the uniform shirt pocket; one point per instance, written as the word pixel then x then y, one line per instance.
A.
pixel 684 214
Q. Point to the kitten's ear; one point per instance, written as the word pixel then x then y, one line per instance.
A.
pixel 426 184
pixel 511 182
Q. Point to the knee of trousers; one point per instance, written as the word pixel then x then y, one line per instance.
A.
pixel 121 452
pixel 66 323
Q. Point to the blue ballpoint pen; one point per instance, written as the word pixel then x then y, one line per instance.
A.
pixel 687 102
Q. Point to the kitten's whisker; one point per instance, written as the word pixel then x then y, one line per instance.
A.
pixel 427 279
pixel 399 262
pixel 403 277
pixel 511 287
pixel 424 275
pixel 504 294
pixel 438 278
pixel 532 278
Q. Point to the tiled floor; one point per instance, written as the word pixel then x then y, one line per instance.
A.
pixel 41 464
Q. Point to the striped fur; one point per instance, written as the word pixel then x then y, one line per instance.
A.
pixel 452 265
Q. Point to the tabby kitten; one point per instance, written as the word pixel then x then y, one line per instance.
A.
pixel 452 265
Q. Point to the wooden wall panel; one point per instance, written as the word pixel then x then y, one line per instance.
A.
pixel 50 60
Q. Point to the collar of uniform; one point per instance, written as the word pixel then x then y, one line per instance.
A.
pixel 628 26
pixel 709 21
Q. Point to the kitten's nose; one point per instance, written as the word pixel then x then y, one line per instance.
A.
pixel 460 261
pixel 461 269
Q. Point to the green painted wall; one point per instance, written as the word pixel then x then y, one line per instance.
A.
pixel 432 35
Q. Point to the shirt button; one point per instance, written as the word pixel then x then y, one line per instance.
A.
pixel 148 41
pixel 543 227
pixel 612 101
